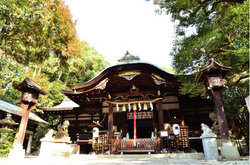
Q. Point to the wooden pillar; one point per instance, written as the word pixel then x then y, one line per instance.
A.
pixel 110 123
pixel 160 116
pixel 217 98
pixel 77 122
pixel 24 122
pixel 76 129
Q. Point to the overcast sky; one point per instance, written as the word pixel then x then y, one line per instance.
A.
pixel 115 26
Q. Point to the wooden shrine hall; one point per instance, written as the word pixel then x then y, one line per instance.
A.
pixel 136 104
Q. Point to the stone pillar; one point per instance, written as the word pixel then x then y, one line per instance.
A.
pixel 29 144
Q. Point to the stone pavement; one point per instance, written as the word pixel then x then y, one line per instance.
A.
pixel 120 159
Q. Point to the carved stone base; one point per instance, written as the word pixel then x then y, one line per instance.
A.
pixel 210 146
pixel 229 151
pixel 55 149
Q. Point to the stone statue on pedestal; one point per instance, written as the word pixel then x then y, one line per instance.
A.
pixel 57 146
pixel 62 130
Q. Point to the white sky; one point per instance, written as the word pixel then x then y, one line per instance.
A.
pixel 115 26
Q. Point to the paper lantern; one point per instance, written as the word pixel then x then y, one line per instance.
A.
pixel 134 107
pixel 124 108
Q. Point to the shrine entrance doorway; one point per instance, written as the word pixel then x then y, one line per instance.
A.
pixel 144 128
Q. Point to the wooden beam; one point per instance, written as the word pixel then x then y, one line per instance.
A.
pixel 114 95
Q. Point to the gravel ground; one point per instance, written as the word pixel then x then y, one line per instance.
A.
pixel 118 159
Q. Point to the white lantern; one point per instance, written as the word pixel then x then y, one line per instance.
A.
pixel 95 132
pixel 176 129
pixel 124 108
pixel 134 107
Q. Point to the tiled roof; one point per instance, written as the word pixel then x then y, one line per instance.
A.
pixel 9 107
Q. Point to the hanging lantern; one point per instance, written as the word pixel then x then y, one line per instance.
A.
pixel 151 106
pixel 129 107
pixel 145 106
pixel 134 107
pixel 139 105
pixel 159 92
pixel 117 107
pixel 124 108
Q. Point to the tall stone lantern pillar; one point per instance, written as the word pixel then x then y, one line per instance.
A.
pixel 30 93
pixel 212 77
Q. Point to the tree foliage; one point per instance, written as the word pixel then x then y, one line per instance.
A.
pixel 8 144
pixel 38 40
pixel 219 30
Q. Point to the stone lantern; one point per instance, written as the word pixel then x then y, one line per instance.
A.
pixel 29 99
pixel 212 77
pixel 6 123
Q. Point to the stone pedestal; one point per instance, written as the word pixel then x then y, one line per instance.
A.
pixel 229 151
pixel 55 148
pixel 210 146
pixel 17 152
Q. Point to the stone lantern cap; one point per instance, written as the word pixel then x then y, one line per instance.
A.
pixel 29 84
pixel 8 120
pixel 213 68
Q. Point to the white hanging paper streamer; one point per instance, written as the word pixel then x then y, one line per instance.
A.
pixel 129 107
pixel 117 107
pixel 151 106
pixel 139 105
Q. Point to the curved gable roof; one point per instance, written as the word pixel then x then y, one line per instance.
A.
pixel 117 69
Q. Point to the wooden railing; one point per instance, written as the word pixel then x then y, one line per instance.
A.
pixel 139 145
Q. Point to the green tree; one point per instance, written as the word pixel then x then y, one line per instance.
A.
pixel 220 30
pixel 38 40
pixel 32 30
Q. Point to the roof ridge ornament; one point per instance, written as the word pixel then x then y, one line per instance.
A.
pixel 129 58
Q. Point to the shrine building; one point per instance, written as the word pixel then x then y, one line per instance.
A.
pixel 133 103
